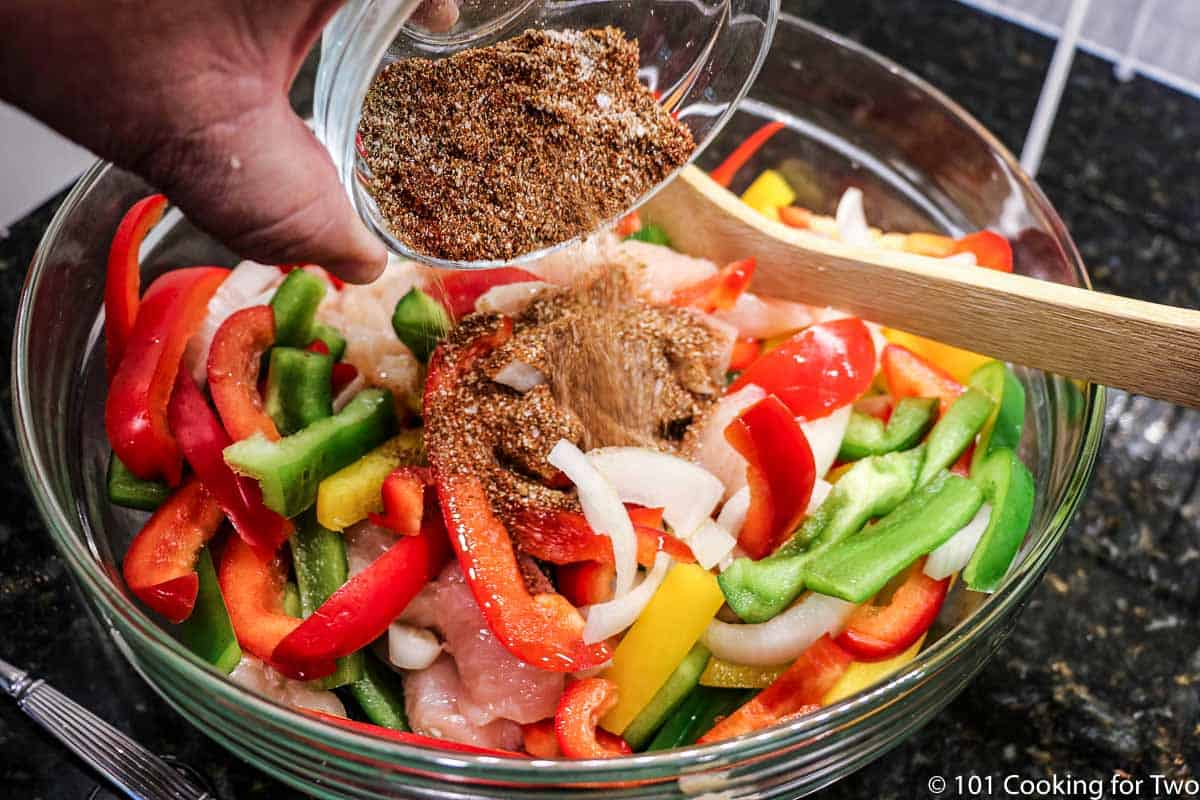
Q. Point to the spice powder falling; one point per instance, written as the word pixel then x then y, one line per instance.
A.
pixel 498 151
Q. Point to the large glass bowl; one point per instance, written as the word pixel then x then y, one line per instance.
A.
pixel 853 119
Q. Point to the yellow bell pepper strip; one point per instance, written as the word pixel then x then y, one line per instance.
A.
pixel 353 492
pixel 959 363
pixel 663 635
pixel 724 674
pixel 668 698
pixel 864 674
pixel 933 245
pixel 768 193
pixel 1003 428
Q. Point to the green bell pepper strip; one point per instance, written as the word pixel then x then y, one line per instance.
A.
pixel 128 490
pixel 299 388
pixel 380 694
pixel 1009 487
pixel 652 234
pixel 291 600
pixel 290 469
pixel 319 561
pixel 759 590
pixel 332 338
pixel 857 568
pixel 208 632
pixel 295 306
pixel 954 433
pixel 868 436
pixel 697 714
pixel 1004 425
pixel 682 681
pixel 420 322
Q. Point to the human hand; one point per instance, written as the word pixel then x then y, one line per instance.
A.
pixel 193 97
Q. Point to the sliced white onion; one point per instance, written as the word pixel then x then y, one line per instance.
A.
pixel 852 220
pixel 766 317
pixel 518 375
pixel 348 391
pixel 686 493
pixel 410 647
pixel 733 513
pixel 249 284
pixel 603 508
pixel 825 436
pixel 711 543
pixel 821 490
pixel 713 451
pixel 511 298
pixel 955 552
pixel 782 638
pixel 610 618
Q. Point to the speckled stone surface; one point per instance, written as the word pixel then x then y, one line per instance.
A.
pixel 1103 671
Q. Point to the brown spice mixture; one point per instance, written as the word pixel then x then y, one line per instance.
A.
pixel 619 372
pixel 498 151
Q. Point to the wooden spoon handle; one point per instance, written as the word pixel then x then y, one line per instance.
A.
pixel 1141 347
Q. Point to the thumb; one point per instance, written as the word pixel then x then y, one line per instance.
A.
pixel 262 184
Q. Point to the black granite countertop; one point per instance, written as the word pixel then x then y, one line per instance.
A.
pixel 1103 671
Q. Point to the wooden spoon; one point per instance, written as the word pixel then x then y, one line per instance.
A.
pixel 1141 347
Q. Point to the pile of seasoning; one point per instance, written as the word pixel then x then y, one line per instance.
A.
pixel 498 151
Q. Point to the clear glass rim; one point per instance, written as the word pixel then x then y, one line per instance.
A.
pixel 144 633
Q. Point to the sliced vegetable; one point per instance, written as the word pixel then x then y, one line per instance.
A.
pixel 124 278
pixel 410 647
pixel 720 292
pixel 820 369
pixel 957 362
pixel 403 494
pixel 933 245
pixel 782 638
pixel 759 590
pixel 825 435
pixel 128 490
pixel 319 561
pixel 252 583
pixel 728 168
pixel 795 692
pixel 868 436
pixel 728 675
pixel 794 216
pixel 380 695
pixel 909 375
pixel 745 351
pixel 990 249
pixel 299 388
pixel 686 492
pixel 667 699
pixel 203 440
pixel 579 711
pixel 135 411
pixel 608 619
pixel 233 360
pixel 1009 488
pixel 955 432
pixel 665 632
pixel 458 290
pixel 864 674
pixel 331 337
pixel 207 631
pixel 160 565
pixel 421 322
pixel 697 714
pixel 295 307
pixel 878 631
pixel 565 537
pixel 768 193
pixel 651 234
pixel 628 225
pixel 290 470
pixel 586 583
pixel 1004 426
pixel 954 554
pixel 859 566
pixel 780 472
pixel 355 491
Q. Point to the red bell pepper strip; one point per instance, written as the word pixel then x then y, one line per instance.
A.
pixel 459 290
pixel 202 440
pixel 252 583
pixel 728 168
pixel 909 375
pixel 879 406
pixel 718 292
pixel 135 411
pixel 564 537
pixel 160 565
pixel 360 611
pixel 124 279
pixel 990 249
pixel 629 224
pixel 403 494
pixel 539 739
pixel 543 629
pixel 797 690
pixel 745 351
pixel 876 632
pixel 780 472
pixel 586 583
pixel 233 364
pixel 795 216
pixel 579 711
pixel 343 372
pixel 404 737
pixel 818 370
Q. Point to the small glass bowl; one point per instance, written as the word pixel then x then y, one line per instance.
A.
pixel 852 119
pixel 700 56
